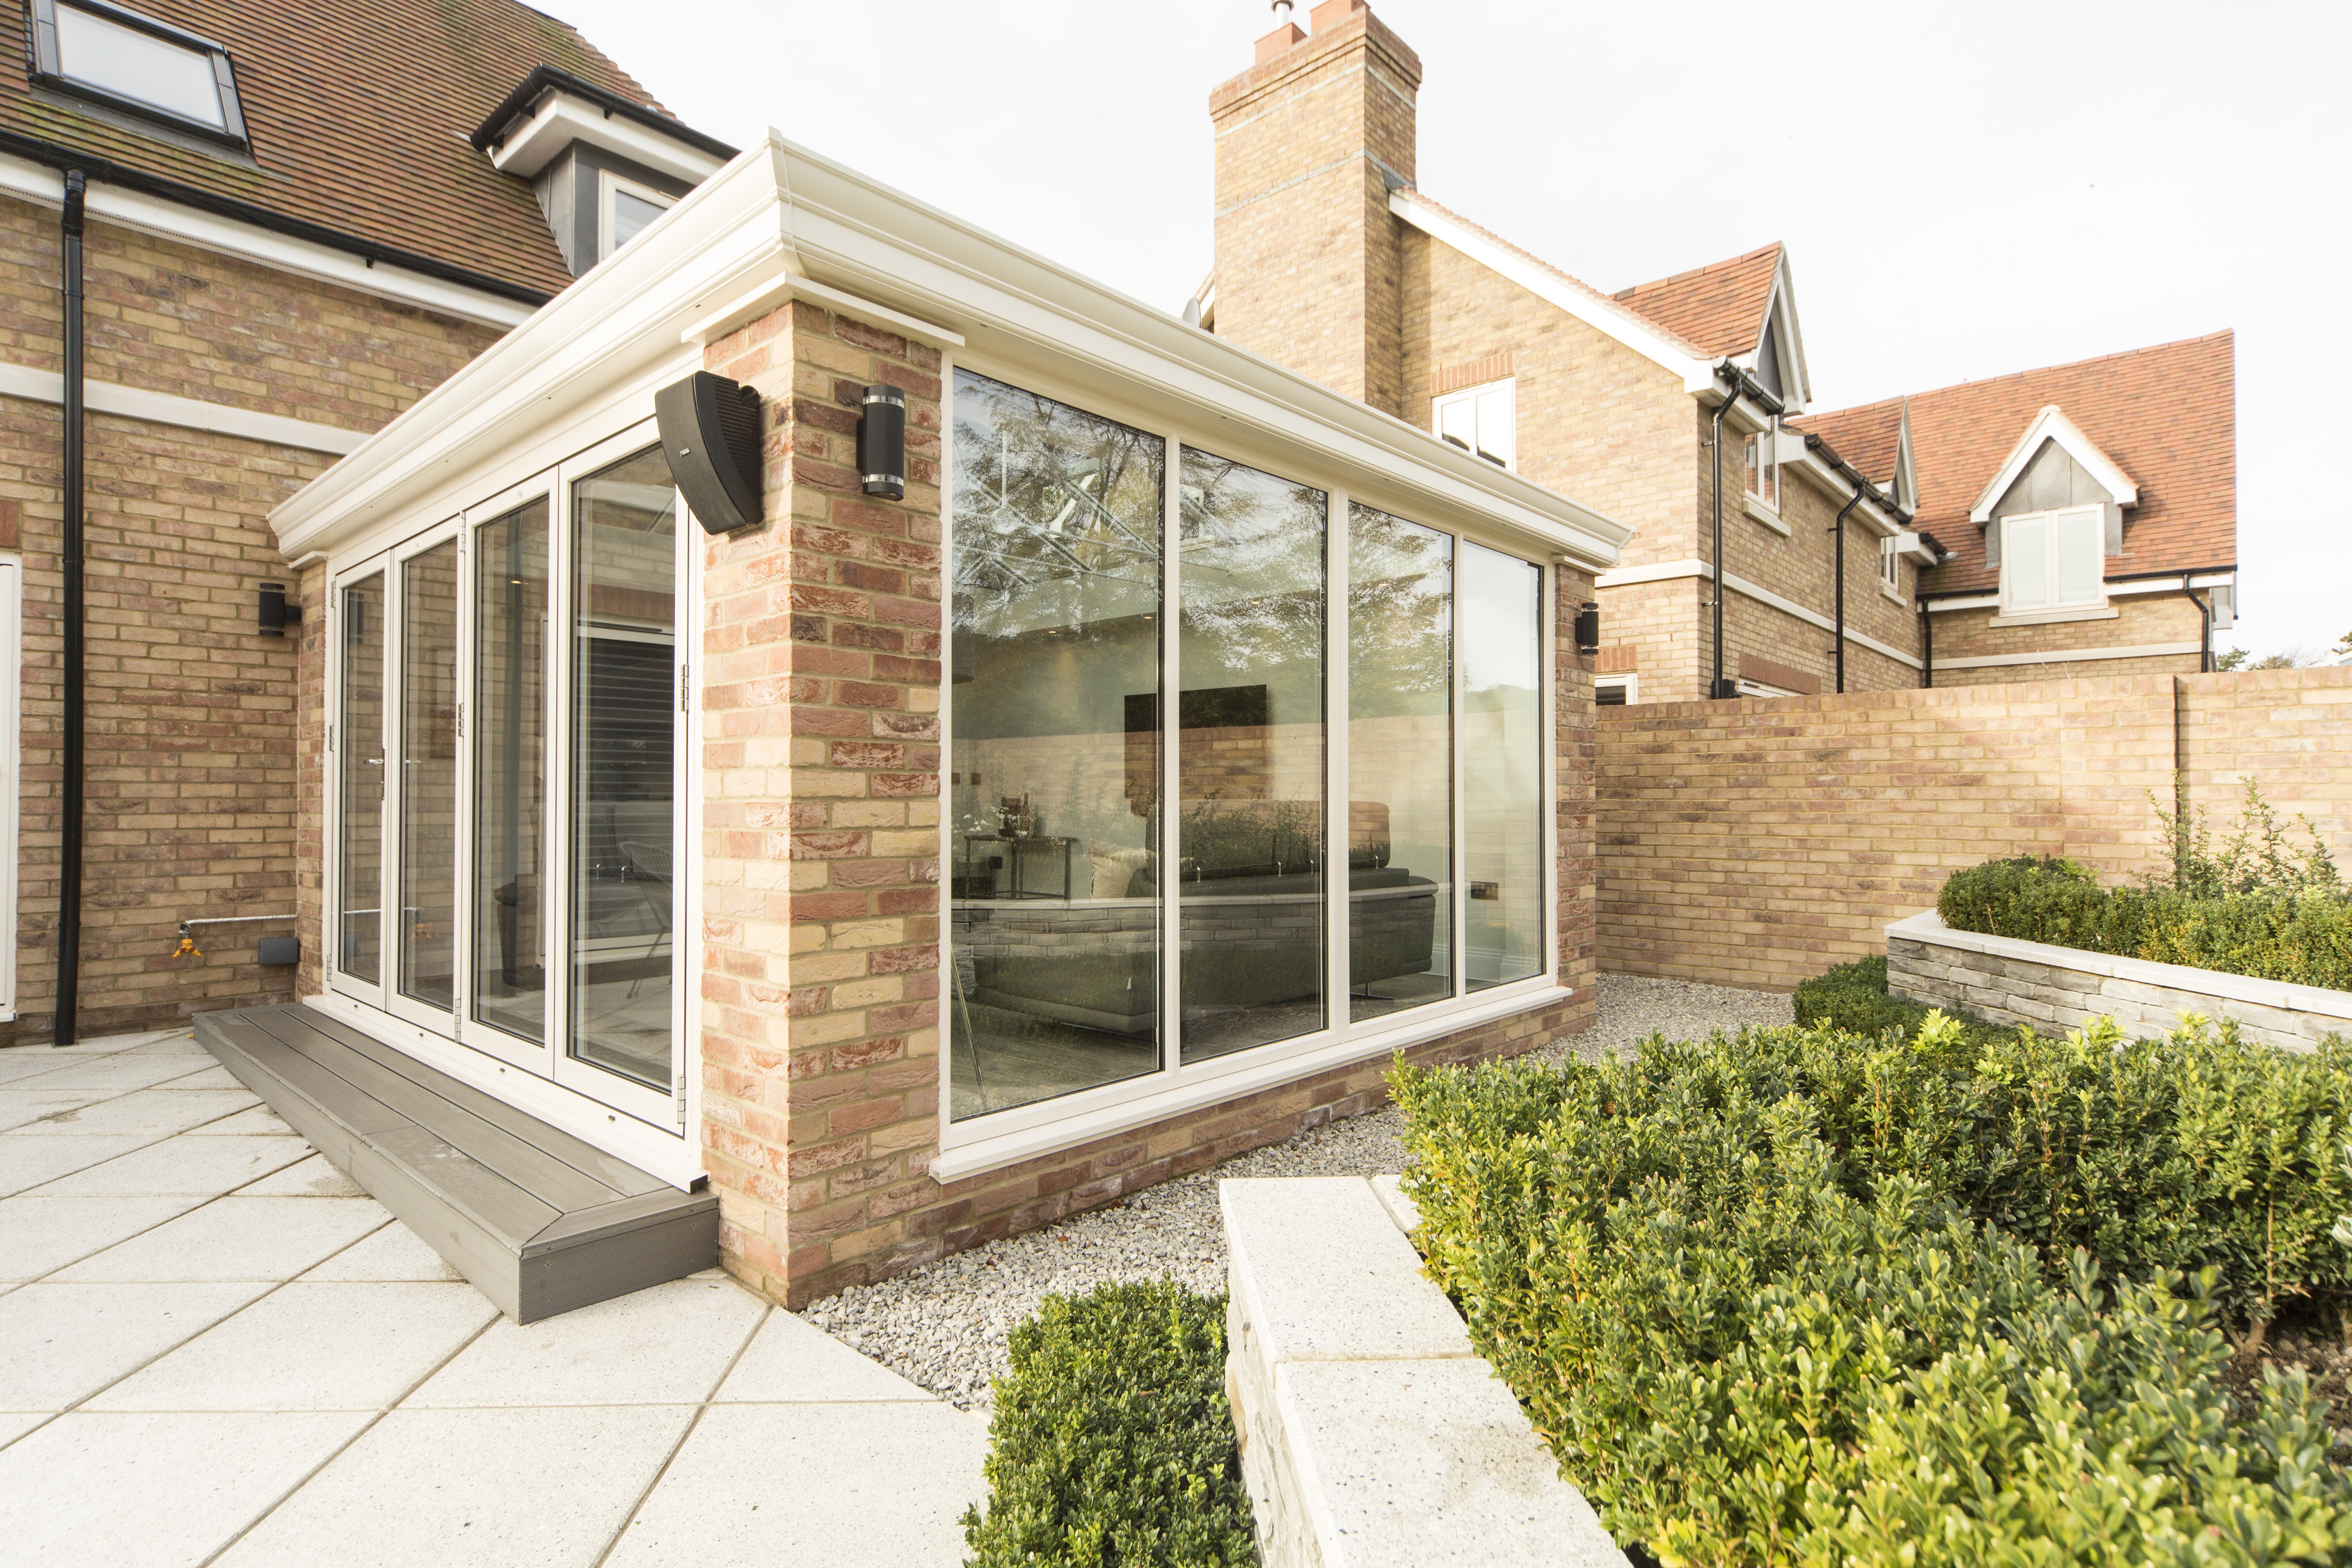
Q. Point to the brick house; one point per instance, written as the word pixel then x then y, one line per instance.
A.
pixel 1331 259
pixel 285 239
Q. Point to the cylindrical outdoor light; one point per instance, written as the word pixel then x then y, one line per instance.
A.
pixel 1587 628
pixel 882 442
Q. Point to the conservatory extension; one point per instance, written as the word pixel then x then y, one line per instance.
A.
pixel 1186 741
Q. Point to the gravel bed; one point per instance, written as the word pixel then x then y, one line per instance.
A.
pixel 944 1326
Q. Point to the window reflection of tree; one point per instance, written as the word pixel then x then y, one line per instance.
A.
pixel 1401 613
pixel 1261 542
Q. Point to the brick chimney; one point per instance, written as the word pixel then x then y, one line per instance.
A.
pixel 1309 141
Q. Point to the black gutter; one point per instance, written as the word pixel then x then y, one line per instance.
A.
pixel 1740 383
pixel 70 675
pixel 2205 635
pixel 491 132
pixel 1926 647
pixel 1839 529
pixel 106 173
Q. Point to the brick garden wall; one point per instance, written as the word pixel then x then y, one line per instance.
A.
pixel 1757 842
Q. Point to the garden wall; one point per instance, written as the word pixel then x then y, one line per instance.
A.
pixel 1757 842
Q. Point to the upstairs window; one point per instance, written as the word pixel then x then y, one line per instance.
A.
pixel 1890 565
pixel 2052 561
pixel 1482 420
pixel 1764 465
pixel 629 209
pixel 119 57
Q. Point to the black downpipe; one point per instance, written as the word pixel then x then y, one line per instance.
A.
pixel 1715 688
pixel 1927 645
pixel 2205 638
pixel 70 784
pixel 1839 531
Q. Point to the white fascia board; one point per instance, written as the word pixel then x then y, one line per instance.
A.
pixel 768 297
pixel 563 119
pixel 1611 321
pixel 169 220
pixel 1839 489
pixel 185 412
pixel 2051 425
pixel 779 213
pixel 1670 571
pixel 2070 656
pixel 1782 306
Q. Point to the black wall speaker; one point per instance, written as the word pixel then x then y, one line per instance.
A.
pixel 710 434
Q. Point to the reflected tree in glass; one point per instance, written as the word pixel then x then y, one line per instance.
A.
pixel 1399 763
pixel 623 764
pixel 1053 774
pixel 360 729
pixel 1249 757
pixel 428 775
pixel 509 711
pixel 1503 737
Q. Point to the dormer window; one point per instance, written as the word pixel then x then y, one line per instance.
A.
pixel 120 58
pixel 628 208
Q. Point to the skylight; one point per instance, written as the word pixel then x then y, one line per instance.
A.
pixel 117 56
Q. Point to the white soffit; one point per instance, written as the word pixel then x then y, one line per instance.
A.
pixel 563 119
pixel 2051 425
pixel 778 213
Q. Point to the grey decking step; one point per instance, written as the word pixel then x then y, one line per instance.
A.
pixel 539 1221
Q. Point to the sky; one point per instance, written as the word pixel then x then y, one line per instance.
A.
pixel 1966 191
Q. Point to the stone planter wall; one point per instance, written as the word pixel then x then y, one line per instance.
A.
pixel 2012 982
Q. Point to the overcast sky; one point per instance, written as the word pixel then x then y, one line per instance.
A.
pixel 1965 190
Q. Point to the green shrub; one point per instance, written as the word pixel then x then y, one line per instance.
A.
pixel 1112 1446
pixel 1737 1284
pixel 1852 999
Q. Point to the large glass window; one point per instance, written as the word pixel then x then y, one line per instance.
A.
pixel 1053 784
pixel 1399 763
pixel 509 977
pixel 624 761
pixel 1249 757
pixel 2051 561
pixel 427 932
pixel 359 881
pixel 1503 742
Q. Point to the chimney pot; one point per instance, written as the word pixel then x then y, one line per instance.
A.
pixel 1332 13
pixel 1275 42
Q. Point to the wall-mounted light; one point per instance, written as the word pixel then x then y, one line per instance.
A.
pixel 1587 628
pixel 882 442
pixel 710 434
pixel 276 614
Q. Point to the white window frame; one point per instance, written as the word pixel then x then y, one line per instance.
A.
pixel 12 698
pixel 1480 400
pixel 2095 515
pixel 1890 567
pixel 1630 682
pixel 1760 464
pixel 997 1138
pixel 609 185
pixel 51 69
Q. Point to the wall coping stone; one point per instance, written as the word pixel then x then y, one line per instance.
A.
pixel 1929 928
pixel 1372 1435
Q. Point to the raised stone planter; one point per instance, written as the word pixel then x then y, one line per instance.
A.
pixel 2006 981
pixel 1371 1434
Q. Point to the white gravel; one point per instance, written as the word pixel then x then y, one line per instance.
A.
pixel 944 1326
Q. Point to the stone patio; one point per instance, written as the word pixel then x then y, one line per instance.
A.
pixel 214 1348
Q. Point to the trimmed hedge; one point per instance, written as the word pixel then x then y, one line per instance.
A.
pixel 1797 1297
pixel 1112 1446
pixel 1853 998
pixel 2301 937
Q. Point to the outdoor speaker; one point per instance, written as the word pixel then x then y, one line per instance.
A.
pixel 710 434
pixel 882 442
pixel 1587 628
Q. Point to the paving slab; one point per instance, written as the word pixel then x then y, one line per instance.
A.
pixel 15 1424
pixel 233 1239
pixel 792 1361
pixel 27 1163
pixel 153 1490
pixel 22 1062
pixel 22 1107
pixel 456 1488
pixel 61 1344
pixel 39 1235
pixel 125 1072
pixel 259 1119
pixel 777 1486
pixel 311 1347
pixel 669 1344
pixel 313 1177
pixel 157 1111
pixel 395 1252
pixel 205 1168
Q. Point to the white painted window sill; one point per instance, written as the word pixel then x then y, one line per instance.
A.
pixel 1894 593
pixel 2050 617
pixel 1765 515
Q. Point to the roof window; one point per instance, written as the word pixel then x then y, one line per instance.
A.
pixel 115 56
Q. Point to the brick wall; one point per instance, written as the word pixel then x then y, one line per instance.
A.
pixel 2142 619
pixel 1757 842
pixel 193 772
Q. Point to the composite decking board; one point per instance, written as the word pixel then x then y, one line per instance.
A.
pixel 615 1219
pixel 508 1212
pixel 559 1186
pixel 587 1158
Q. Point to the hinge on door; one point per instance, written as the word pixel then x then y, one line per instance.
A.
pixel 331 737
pixel 681 705
pixel 461 721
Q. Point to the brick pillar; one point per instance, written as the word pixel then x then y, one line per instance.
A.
pixel 1308 257
pixel 820 697
pixel 1576 803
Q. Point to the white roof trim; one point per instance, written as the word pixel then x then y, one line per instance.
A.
pixel 780 212
pixel 564 118
pixel 1781 307
pixel 2051 425
pixel 1609 319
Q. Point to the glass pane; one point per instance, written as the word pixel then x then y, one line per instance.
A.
pixel 359 735
pixel 2025 557
pixel 2080 537
pixel 1457 422
pixel 624 759
pixel 1496 434
pixel 1399 763
pixel 1054 781
pixel 630 216
pixel 428 774
pixel 1249 757
pixel 509 770
pixel 1502 767
pixel 129 63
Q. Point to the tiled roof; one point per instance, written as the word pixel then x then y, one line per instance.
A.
pixel 2166 415
pixel 1719 306
pixel 359 112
